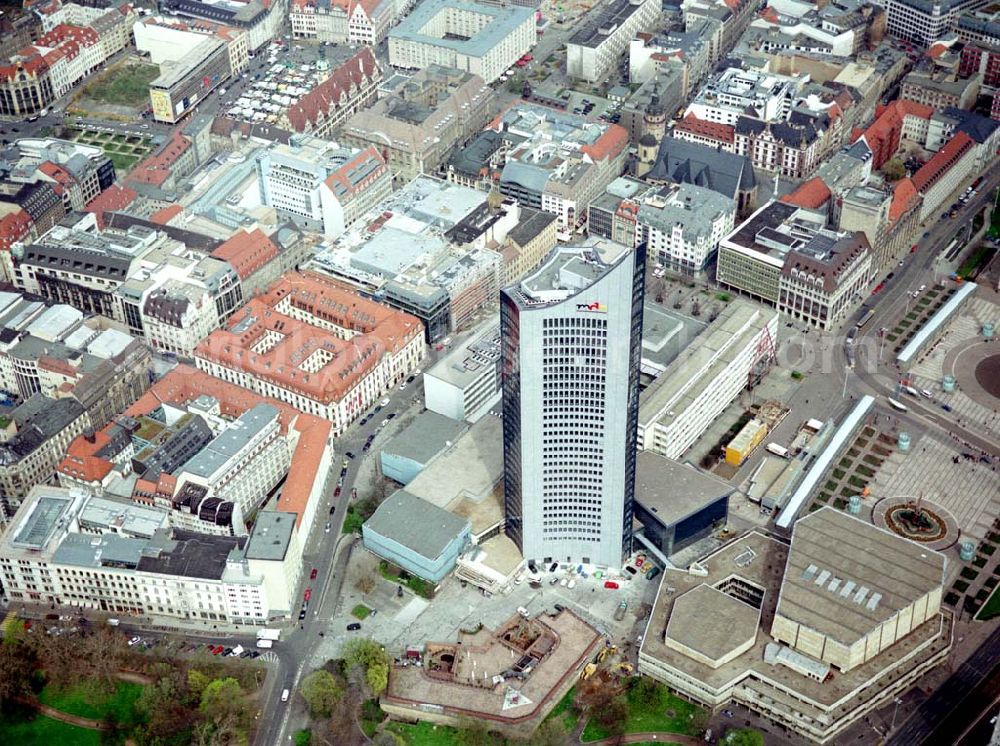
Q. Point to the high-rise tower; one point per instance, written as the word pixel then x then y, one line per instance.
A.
pixel 571 336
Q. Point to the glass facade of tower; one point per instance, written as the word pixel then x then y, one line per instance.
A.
pixel 571 357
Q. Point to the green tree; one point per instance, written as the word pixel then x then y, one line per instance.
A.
pixel 322 692
pixel 364 652
pixel 303 737
pixel 197 681
pixel 474 733
pixel 377 677
pixel 221 699
pixel 647 691
pixel 549 733
pixel 17 665
pixel 744 737
pixel 894 170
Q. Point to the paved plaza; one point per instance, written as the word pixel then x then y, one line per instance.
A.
pixel 970 490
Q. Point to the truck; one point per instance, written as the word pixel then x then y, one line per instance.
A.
pixel 265 643
pixel 620 611
pixel 777 450
pixel 269 634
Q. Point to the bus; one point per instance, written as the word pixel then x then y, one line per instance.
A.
pixel 897 405
pixel 865 318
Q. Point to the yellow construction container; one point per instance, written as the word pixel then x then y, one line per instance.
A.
pixel 747 439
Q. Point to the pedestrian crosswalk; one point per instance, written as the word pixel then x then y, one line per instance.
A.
pixel 269 657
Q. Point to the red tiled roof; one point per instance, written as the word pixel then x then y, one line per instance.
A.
pixel 246 251
pixel 884 133
pixel 936 50
pixel 360 68
pixel 64 31
pixel 164 215
pixel 608 145
pixel 704 128
pixel 155 168
pixel 14 225
pixel 381 330
pixel 811 194
pixel 904 195
pixel 340 175
pixel 942 161
pixel 82 462
pixel 184 383
pixel 56 173
pixel 112 199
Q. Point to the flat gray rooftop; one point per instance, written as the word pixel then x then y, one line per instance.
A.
pixel 416 524
pixel 271 535
pixel 711 622
pixel 845 577
pixel 673 490
pixel 425 437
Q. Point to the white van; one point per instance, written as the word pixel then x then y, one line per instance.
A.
pixel 284 695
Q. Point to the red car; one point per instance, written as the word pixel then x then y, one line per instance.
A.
pixel 913 249
pixel 218 649
pixel 610 584
pixel 309 592
pixel 336 492
pixel 312 575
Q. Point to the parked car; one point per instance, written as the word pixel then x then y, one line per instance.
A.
pixel 309 592
pixel 553 567
pixel 611 584
pixel 134 641
pixel 630 570
pixel 349 455
pixel 326 529
pixel 312 575
pixel 353 626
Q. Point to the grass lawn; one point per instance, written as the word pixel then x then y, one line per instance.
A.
pixel 991 608
pixel 565 712
pixel 126 85
pixel 424 734
pixel 43 731
pixel 360 611
pixel 79 700
pixel 121 161
pixel 668 714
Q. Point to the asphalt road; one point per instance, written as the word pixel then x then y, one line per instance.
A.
pixel 964 687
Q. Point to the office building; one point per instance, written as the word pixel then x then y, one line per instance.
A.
pixel 592 53
pixel 465 383
pixel 737 93
pixel 484 40
pixel 926 21
pixel 815 636
pixel 693 389
pixel 423 251
pixel 420 123
pixel 682 225
pixel 561 161
pixel 940 89
pixel 316 345
pixel 82 172
pixel 571 337
pixel 784 255
pixel 320 185
pixel 63 551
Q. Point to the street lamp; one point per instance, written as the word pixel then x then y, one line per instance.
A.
pixel 892 726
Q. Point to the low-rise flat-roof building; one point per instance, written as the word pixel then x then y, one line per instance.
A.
pixel 417 445
pixel 784 255
pixel 316 345
pixel 416 535
pixel 593 51
pixel 676 503
pixel 853 620
pixel 465 383
pixel 472 37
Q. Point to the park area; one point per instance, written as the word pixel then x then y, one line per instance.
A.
pixel 126 84
pixel 123 150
